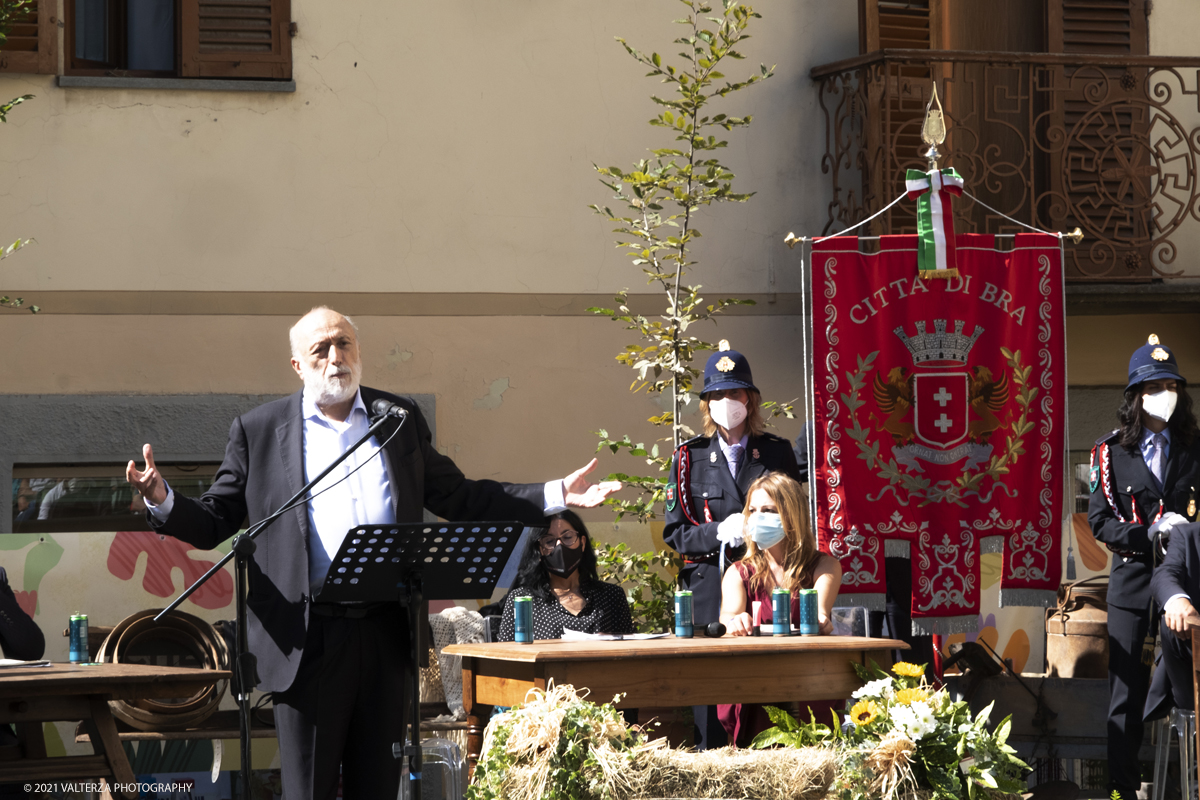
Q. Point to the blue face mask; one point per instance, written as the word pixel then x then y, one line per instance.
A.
pixel 766 530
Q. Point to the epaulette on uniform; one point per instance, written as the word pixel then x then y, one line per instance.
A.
pixel 1108 437
pixel 694 439
pixel 775 437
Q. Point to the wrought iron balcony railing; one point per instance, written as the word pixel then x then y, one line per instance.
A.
pixel 1105 143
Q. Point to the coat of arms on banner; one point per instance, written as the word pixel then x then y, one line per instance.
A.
pixel 939 420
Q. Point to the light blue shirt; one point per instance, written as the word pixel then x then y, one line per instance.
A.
pixel 1147 447
pixel 362 497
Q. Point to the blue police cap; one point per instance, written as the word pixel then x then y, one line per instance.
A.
pixel 1152 361
pixel 727 369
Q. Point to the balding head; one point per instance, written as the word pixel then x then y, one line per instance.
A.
pixel 323 315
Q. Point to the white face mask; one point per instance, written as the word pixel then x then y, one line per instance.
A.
pixel 727 412
pixel 1160 405
pixel 766 529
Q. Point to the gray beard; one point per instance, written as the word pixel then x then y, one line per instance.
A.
pixel 327 391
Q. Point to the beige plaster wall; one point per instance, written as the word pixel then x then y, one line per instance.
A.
pixel 517 398
pixel 428 147
pixel 1098 348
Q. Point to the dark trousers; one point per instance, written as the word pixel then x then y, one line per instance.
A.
pixel 345 709
pixel 1177 662
pixel 899 615
pixel 1128 681
pixel 709 733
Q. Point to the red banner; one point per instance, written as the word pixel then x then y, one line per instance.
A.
pixel 940 421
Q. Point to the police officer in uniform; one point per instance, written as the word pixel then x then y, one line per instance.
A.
pixel 706 493
pixel 1144 477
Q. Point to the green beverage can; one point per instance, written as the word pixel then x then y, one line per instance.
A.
pixel 809 623
pixel 523 619
pixel 683 614
pixel 781 612
pixel 78 640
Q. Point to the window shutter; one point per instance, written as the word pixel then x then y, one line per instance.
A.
pixel 1087 172
pixel 902 24
pixel 1108 27
pixel 32 45
pixel 894 118
pixel 236 39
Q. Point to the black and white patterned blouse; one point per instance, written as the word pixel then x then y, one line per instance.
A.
pixel 605 610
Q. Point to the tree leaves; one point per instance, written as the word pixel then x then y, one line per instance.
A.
pixel 657 203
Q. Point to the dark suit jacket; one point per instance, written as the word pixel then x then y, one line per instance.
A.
pixel 1129 584
pixel 20 636
pixel 1179 573
pixel 264 467
pixel 711 483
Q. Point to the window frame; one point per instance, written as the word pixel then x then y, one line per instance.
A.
pixel 175 472
pixel 118 42
pixel 194 58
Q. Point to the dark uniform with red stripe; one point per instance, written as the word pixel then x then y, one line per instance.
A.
pixel 707 494
pixel 1126 499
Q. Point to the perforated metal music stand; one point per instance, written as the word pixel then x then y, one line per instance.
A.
pixel 453 561
pixel 387 563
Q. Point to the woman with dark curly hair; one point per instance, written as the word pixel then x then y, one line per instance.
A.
pixel 1144 480
pixel 558 571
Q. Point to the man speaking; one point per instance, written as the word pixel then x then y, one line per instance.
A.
pixel 337 670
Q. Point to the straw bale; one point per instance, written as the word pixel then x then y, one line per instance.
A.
pixel 652 769
pixel 793 773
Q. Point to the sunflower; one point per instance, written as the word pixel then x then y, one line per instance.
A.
pixel 906 697
pixel 907 670
pixel 864 712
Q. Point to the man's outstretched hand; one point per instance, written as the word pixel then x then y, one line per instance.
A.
pixel 148 482
pixel 578 492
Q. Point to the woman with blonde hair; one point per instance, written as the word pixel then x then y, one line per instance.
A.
pixel 707 490
pixel 781 551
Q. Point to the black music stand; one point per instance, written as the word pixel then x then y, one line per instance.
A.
pixel 388 563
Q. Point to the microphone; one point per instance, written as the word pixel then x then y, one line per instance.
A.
pixel 386 408
pixel 714 630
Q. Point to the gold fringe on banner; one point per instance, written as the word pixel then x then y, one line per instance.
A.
pixel 938 273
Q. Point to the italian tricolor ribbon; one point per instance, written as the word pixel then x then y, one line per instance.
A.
pixel 935 220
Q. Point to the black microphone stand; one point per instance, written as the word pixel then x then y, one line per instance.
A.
pixel 245 663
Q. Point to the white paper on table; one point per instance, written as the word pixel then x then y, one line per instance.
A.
pixel 12 662
pixel 579 636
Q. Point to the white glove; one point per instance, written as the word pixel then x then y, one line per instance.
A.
pixel 730 530
pixel 1165 524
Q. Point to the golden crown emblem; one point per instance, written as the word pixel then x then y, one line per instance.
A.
pixel 725 364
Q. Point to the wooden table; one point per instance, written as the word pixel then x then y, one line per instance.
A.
pixel 67 692
pixel 666 672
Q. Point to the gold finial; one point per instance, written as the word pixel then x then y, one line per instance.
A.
pixel 791 240
pixel 724 345
pixel 933 129
pixel 1075 236
pixel 1153 339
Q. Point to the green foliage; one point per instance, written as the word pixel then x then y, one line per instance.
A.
pixel 789 733
pixel 661 196
pixel 16 101
pixel 13 11
pixel 648 580
pixel 573 770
